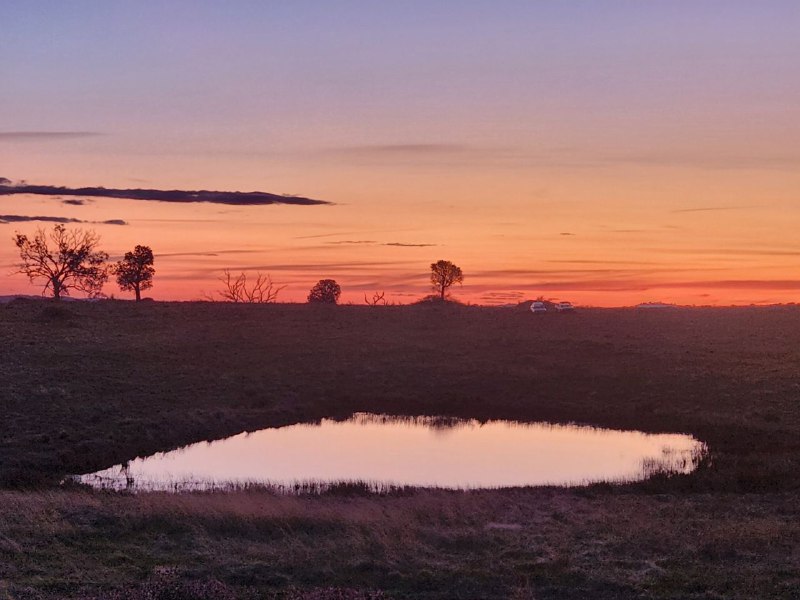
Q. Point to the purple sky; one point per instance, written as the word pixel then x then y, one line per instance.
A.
pixel 485 128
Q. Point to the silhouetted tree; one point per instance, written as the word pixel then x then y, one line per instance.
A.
pixel 65 258
pixel 325 291
pixel 443 275
pixel 135 271
pixel 260 291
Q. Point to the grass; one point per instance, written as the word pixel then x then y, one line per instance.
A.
pixel 86 386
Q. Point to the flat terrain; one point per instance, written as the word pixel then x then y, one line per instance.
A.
pixel 87 385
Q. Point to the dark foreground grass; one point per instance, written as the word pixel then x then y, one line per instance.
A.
pixel 514 543
pixel 85 386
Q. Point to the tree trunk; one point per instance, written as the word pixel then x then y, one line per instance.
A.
pixel 443 289
pixel 138 293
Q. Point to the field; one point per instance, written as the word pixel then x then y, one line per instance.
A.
pixel 88 385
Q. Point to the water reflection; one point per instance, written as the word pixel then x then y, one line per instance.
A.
pixel 385 451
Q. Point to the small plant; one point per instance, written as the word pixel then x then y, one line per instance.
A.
pixel 378 299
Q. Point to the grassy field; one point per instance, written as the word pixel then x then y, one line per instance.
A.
pixel 85 386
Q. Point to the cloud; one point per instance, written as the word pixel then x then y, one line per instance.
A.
pixel 566 233
pixel 641 285
pixel 206 253
pixel 21 136
pixel 399 150
pixel 727 251
pixel 179 196
pixel 352 242
pixel 509 296
pixel 598 262
pixel 736 284
pixel 374 243
pixel 455 153
pixel 354 266
pixel 76 201
pixel 6 219
pixel 324 235
pixel 708 209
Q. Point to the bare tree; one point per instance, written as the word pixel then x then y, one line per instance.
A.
pixel 135 271
pixel 325 291
pixel 237 289
pixel 443 275
pixel 65 259
pixel 378 299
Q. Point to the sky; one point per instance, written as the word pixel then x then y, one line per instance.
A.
pixel 604 152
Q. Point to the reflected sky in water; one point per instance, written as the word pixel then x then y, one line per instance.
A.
pixel 424 451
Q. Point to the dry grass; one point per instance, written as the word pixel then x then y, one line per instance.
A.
pixel 85 386
pixel 546 543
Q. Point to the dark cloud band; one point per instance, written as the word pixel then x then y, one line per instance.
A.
pixel 179 196
pixel 6 219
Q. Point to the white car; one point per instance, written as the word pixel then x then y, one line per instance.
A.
pixel 565 307
pixel 538 307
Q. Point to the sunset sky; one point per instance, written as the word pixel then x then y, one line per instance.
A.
pixel 604 152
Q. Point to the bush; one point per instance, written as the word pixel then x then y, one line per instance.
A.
pixel 326 291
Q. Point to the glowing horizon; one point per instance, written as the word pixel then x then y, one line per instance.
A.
pixel 608 154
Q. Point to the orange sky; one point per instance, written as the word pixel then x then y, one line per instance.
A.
pixel 608 155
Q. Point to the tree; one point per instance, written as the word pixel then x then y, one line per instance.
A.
pixel 135 271
pixel 260 291
pixel 326 291
pixel 65 258
pixel 443 275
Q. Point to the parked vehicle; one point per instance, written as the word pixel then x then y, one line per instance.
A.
pixel 565 307
pixel 538 307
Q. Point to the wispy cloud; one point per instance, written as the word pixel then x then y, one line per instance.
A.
pixel 509 296
pixel 324 235
pixel 352 242
pixel 376 243
pixel 76 201
pixel 403 245
pixel 708 209
pixel 6 219
pixel 399 150
pixel 207 253
pixel 456 153
pixel 354 266
pixel 179 196
pixel 641 285
pixel 742 252
pixel 590 261
pixel 22 136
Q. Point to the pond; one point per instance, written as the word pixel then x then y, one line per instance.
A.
pixel 383 451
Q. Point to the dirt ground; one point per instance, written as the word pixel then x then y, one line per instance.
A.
pixel 87 385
